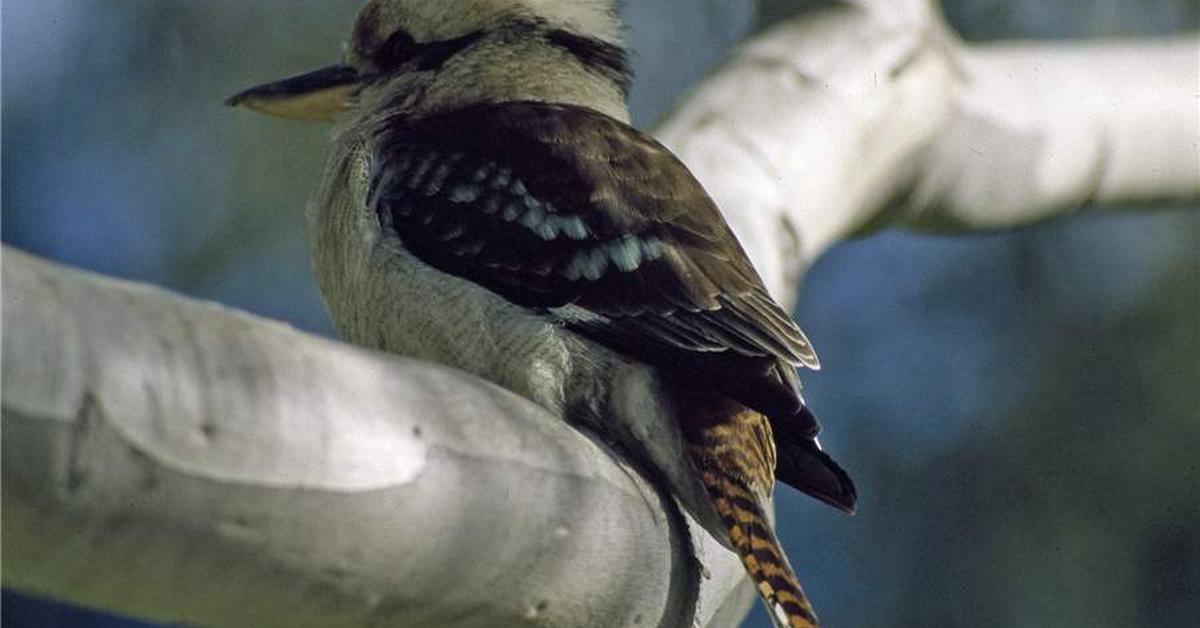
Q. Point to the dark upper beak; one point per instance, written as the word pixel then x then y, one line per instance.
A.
pixel 317 95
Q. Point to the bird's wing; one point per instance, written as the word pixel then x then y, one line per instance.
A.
pixel 563 208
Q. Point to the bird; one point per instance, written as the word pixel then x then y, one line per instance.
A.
pixel 488 205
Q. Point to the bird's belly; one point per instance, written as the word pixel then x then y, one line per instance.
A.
pixel 401 305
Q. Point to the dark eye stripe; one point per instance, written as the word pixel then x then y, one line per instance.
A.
pixel 435 54
pixel 401 49
pixel 396 50
pixel 608 60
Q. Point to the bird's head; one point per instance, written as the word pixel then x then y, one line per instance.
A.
pixel 424 56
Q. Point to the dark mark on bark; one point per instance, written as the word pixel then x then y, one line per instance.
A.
pixel 86 418
pixel 905 62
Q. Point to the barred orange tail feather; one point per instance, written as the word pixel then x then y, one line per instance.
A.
pixel 765 562
pixel 735 456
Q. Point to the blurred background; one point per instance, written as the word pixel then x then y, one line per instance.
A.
pixel 1021 410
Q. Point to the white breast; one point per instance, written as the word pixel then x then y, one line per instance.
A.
pixel 381 296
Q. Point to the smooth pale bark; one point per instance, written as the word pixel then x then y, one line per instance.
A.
pixel 877 116
pixel 1043 130
pixel 179 461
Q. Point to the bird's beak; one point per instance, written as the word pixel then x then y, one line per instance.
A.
pixel 317 95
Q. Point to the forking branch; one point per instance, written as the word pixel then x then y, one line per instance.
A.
pixel 177 461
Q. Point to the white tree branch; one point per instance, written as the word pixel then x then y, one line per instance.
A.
pixel 1045 129
pixel 875 115
pixel 181 462
pixel 176 460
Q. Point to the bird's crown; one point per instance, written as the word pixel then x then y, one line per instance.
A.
pixel 384 24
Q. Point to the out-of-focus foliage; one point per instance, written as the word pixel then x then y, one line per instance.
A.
pixel 1020 409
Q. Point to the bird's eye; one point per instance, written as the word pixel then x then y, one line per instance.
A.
pixel 399 48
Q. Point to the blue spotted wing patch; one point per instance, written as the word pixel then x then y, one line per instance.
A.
pixel 476 217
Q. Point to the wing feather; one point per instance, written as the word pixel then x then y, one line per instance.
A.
pixel 564 209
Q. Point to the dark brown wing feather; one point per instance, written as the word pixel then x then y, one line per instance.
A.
pixel 563 208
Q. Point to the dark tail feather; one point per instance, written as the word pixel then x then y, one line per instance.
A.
pixel 802 465
pixel 755 542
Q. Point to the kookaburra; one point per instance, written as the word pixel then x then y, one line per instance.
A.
pixel 488 206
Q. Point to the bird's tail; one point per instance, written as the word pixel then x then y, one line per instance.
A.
pixel 735 458
pixel 803 465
